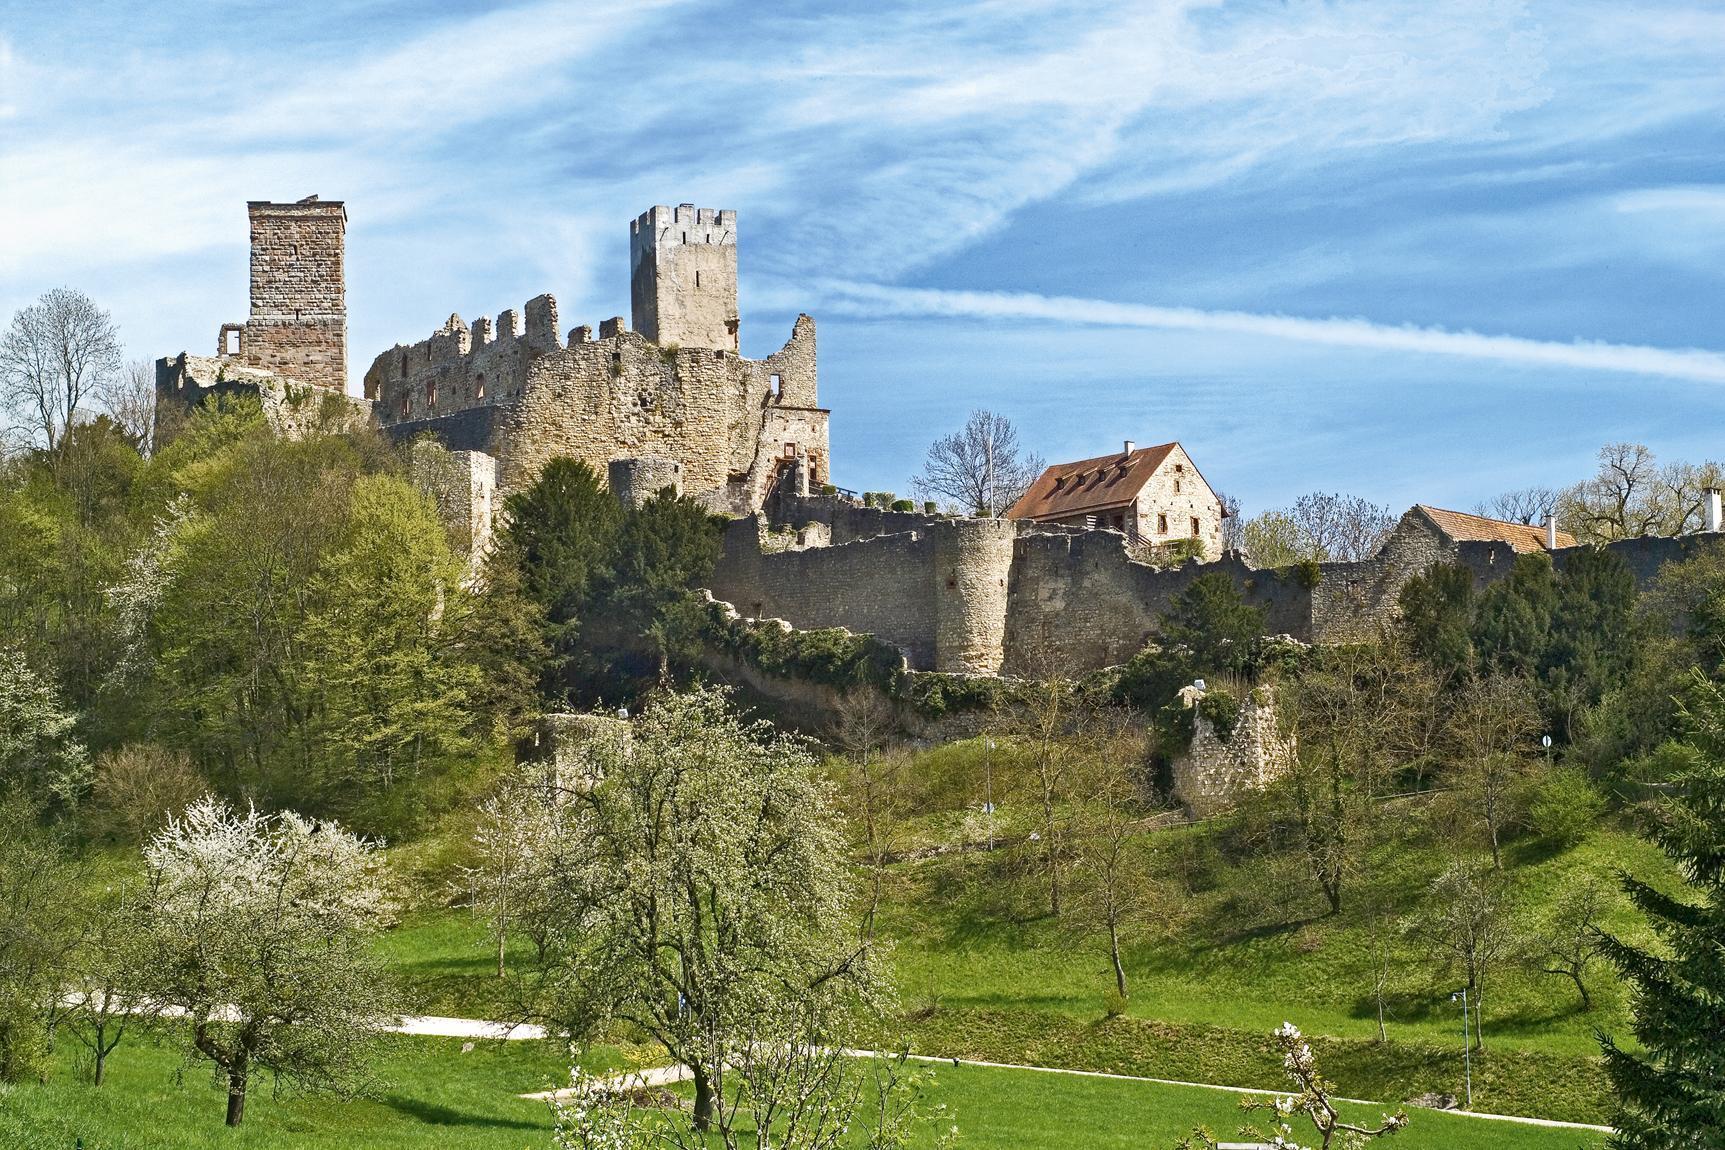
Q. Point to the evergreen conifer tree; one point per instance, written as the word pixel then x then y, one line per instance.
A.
pixel 1672 1094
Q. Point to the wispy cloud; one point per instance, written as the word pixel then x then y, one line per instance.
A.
pixel 1684 363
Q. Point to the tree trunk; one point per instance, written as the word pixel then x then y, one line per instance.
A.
pixel 703 1099
pixel 101 1062
pixel 1114 953
pixel 237 1091
pixel 1581 989
pixel 502 943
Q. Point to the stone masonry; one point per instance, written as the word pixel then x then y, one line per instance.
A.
pixel 683 276
pixel 1215 772
pixel 298 322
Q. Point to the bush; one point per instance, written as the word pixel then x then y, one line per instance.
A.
pixel 1308 574
pixel 903 505
pixel 1114 1004
pixel 829 489
pixel 1566 806
pixel 1222 710
pixel 930 507
pixel 139 787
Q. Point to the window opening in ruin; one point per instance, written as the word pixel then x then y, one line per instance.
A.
pixel 404 365
pixel 1176 487
pixel 293 250
pixel 685 237
pixel 697 279
pixel 479 386
pixel 1161 525
pixel 778 384
pixel 233 343
pixel 790 451
pixel 404 406
pixel 718 353
pixel 1194 527
pixel 1179 467
pixel 430 393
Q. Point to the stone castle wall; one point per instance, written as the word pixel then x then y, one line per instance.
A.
pixel 734 424
pixel 1214 773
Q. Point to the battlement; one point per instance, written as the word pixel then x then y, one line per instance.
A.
pixel 683 276
pixel 684 224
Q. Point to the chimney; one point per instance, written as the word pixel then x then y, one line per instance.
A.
pixel 1130 446
pixel 1551 530
pixel 1710 500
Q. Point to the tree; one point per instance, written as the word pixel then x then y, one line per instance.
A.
pixel 140 786
pixel 41 914
pixel 874 786
pixel 1494 720
pixel 1211 622
pixel 1671 1093
pixel 105 976
pixel 130 397
pixel 1321 526
pixel 558 533
pixel 258 930
pixel 1436 618
pixel 1233 525
pixel 980 468
pixel 1528 505
pixel 1568 942
pixel 57 353
pixel 705 894
pixel 1467 922
pixel 516 840
pixel 1631 495
pixel 1313 1101
pixel 1119 887
pixel 38 751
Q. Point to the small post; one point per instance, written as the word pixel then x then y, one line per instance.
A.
pixel 988 786
pixel 1466 1051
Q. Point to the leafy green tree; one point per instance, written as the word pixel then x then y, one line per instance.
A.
pixel 1512 619
pixel 706 896
pixel 258 935
pixel 389 693
pixel 41 915
pixel 1437 616
pixel 1592 635
pixel 1671 1092
pixel 1214 624
pixel 663 548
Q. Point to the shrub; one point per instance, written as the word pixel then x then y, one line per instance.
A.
pixel 141 786
pixel 930 507
pixel 903 505
pixel 1566 805
pixel 1308 574
pixel 1222 709
pixel 1114 1004
pixel 829 489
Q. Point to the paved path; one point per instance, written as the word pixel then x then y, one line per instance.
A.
pixel 668 1075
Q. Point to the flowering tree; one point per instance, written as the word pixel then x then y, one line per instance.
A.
pixel 38 753
pixel 1313 1101
pixel 257 928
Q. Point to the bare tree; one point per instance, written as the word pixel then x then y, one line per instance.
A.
pixel 1321 525
pixel 1569 942
pixel 1233 524
pixel 1523 505
pixel 1632 494
pixel 1119 889
pixel 1467 922
pixel 981 468
pixel 1492 725
pixel 130 398
pixel 874 785
pixel 58 352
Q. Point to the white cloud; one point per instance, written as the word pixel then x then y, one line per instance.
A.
pixel 1685 363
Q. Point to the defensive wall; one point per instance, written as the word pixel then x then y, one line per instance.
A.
pixel 1012 597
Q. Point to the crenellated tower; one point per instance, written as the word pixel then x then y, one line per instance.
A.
pixel 683 276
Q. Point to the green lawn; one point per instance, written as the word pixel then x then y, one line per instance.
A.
pixel 438 1097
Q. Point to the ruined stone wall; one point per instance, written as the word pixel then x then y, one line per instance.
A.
pixel 634 481
pixel 1354 601
pixel 884 587
pixel 713 412
pixel 1215 773
pixel 845 519
pixel 683 276
pixel 298 321
pixel 292 409
pixel 463 484
pixel 1078 601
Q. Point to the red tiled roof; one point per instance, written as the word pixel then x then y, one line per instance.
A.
pixel 1089 485
pixel 1462 527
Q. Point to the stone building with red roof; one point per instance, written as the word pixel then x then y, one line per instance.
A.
pixel 1154 495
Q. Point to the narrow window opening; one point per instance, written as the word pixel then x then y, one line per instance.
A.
pixel 777 383
pixel 1176 487
pixel 233 343
pixel 404 406
pixel 1161 525
pixel 404 365
pixel 1194 527
pixel 790 451
pixel 430 394
pixel 293 250
pixel 479 386
pixel 697 279
pixel 685 237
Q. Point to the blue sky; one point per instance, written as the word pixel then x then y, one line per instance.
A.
pixel 1412 251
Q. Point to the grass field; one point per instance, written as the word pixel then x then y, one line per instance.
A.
pixel 438 1097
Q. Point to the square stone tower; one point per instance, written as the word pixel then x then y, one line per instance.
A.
pixel 683 276
pixel 298 320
